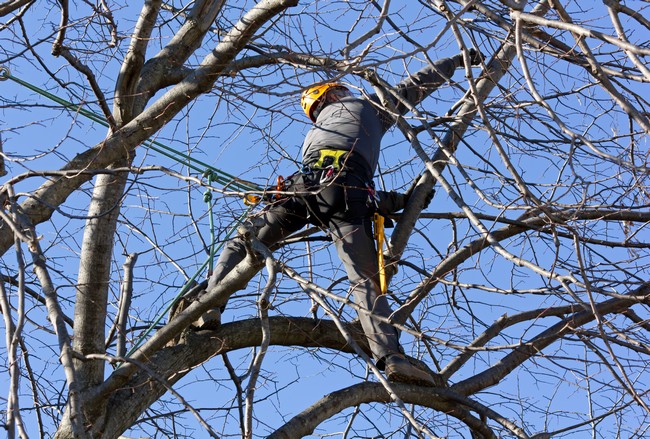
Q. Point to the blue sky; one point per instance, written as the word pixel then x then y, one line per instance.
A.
pixel 165 219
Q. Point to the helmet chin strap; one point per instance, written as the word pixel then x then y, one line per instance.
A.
pixel 323 102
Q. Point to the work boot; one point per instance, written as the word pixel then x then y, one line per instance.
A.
pixel 210 320
pixel 398 369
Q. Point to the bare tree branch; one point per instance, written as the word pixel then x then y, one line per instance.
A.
pixel 438 399
pixel 11 5
pixel 545 338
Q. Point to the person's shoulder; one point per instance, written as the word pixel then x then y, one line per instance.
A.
pixel 352 100
pixel 347 104
pixel 357 101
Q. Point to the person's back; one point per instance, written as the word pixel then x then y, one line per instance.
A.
pixel 350 124
pixel 347 123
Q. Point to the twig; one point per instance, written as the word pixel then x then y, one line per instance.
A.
pixel 54 312
pixel 264 305
pixel 598 72
pixel 310 265
pixel 90 76
pixel 383 14
pixel 40 299
pixel 125 303
pixel 237 382
pixel 33 380
pixel 625 381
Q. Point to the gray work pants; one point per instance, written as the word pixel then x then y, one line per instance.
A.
pixel 342 206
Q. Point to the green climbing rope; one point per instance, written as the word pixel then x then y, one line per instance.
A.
pixel 207 197
pixel 189 283
pixel 219 176
pixel 212 174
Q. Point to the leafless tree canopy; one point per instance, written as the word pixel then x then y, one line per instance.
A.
pixel 130 133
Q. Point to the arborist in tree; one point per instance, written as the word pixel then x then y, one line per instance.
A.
pixel 335 190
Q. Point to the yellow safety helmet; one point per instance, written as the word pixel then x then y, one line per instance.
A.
pixel 310 97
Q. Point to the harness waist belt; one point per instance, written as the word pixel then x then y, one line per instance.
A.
pixel 339 160
pixel 330 158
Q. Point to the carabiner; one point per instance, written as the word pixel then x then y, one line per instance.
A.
pixel 4 73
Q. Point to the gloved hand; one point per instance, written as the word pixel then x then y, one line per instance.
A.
pixel 389 202
pixel 475 57
pixel 410 190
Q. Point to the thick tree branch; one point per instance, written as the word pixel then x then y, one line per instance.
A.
pixel 134 394
pixel 9 6
pixel 94 274
pixel 126 294
pixel 127 79
pixel 438 399
pixel 124 141
pixel 156 71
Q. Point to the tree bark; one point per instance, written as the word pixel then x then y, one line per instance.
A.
pixel 130 400
pixel 9 6
pixel 53 193
pixel 94 276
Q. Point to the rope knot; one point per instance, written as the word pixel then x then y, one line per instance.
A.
pixel 210 175
pixel 207 196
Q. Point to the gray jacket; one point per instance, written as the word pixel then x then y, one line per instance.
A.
pixel 358 124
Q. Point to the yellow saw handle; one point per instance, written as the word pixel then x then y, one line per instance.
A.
pixel 381 238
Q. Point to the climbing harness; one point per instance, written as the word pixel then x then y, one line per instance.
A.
pixel 380 237
pixel 330 162
pixel 330 159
